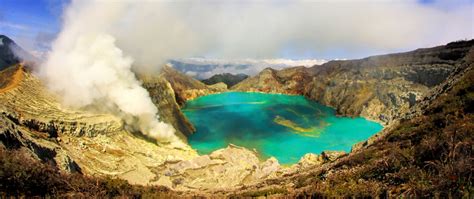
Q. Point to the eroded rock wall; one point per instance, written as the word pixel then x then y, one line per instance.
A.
pixel 75 140
pixel 164 97
pixel 185 87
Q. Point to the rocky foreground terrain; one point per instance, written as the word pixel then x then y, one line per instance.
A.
pixel 424 97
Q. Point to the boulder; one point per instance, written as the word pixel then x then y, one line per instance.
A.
pixel 329 156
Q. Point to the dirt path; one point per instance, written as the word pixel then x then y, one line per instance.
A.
pixel 15 79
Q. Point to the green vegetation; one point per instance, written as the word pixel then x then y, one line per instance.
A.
pixel 227 78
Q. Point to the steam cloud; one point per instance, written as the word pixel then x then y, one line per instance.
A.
pixel 89 70
pixel 102 42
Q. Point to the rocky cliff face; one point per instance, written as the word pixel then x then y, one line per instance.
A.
pixel 380 88
pixel 164 97
pixel 185 87
pixel 28 103
pixel 74 140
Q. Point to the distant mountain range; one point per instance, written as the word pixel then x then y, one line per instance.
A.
pixel 227 78
pixel 203 68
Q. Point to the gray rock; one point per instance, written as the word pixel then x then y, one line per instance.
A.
pixel 329 156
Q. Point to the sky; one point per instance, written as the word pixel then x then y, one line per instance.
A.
pixel 34 24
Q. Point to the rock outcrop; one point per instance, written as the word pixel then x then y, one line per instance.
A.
pixel 29 104
pixel 311 160
pixel 185 87
pixel 226 168
pixel 164 97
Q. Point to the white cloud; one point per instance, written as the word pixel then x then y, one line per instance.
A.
pixel 154 31
pixel 89 71
pixel 202 68
pixel 5 24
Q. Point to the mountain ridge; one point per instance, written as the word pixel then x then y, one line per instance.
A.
pixel 11 53
pixel 227 78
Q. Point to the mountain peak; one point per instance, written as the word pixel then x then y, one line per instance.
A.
pixel 8 56
pixel 228 78
pixel 5 39
pixel 11 53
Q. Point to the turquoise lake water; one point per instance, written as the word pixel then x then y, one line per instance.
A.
pixel 283 126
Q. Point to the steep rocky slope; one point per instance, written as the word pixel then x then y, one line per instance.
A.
pixel 74 140
pixel 381 88
pixel 428 153
pixel 227 78
pixel 185 87
pixel 164 97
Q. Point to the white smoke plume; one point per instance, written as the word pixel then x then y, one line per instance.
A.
pixel 102 42
pixel 88 70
